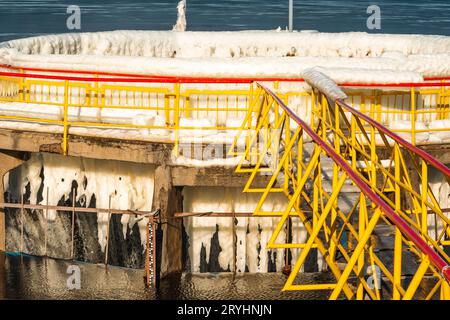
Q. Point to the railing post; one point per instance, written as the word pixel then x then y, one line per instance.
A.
pixel 251 108
pixel 313 109
pixel 323 110
pixel 413 116
pixel 337 148
pixel 354 142
pixel 108 226
pixel 21 223
pixel 373 157
pixel 360 264
pixel 398 246
pixel 46 224
pixel 445 290
pixel 250 97
pixel 97 91
pixel 378 107
pixel 177 119
pixel 287 140
pixel 72 252
pixel 187 106
pixel 441 103
pixel 299 160
pixel 424 222
pixel 22 87
pixel 66 116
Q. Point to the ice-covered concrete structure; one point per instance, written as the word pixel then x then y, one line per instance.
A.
pixel 247 53
pixel 91 183
pixel 344 57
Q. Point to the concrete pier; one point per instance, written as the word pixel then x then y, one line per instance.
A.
pixel 17 146
pixel 169 200
pixel 8 161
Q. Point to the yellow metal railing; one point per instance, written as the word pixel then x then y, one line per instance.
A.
pixel 365 194
pixel 420 114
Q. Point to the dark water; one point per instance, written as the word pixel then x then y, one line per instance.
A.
pixel 26 277
pixel 23 18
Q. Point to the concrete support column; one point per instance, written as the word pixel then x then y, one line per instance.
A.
pixel 2 276
pixel 8 161
pixel 169 199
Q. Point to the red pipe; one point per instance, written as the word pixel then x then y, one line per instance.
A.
pixel 131 75
pixel 168 79
pixel 436 78
pixel 82 72
pixel 224 80
pixel 144 80
pixel 435 259
pixel 395 85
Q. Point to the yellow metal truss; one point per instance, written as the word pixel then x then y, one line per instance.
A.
pixel 392 190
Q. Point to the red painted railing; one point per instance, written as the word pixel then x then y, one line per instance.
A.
pixel 103 76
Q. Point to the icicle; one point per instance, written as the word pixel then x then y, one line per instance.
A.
pixel 181 20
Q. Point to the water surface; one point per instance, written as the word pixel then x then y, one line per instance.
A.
pixel 28 277
pixel 23 18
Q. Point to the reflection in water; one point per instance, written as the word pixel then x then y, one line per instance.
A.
pixel 26 277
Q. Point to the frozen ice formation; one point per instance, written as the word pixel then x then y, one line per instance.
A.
pixel 181 19
pixel 324 84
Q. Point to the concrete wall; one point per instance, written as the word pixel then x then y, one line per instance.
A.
pixel 8 161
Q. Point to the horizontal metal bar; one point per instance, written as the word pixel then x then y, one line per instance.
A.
pixel 219 215
pixel 311 287
pixel 74 209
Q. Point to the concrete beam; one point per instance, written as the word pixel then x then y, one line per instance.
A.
pixel 87 147
pixel 8 161
pixel 26 141
pixel 122 150
pixel 214 177
pixel 439 151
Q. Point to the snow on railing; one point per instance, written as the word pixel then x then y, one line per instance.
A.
pixel 159 107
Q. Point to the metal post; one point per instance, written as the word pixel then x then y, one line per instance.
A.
pixel 46 227
pixel 291 15
pixel 413 116
pixel 234 234
pixel 153 247
pixel 72 253
pixel 150 260
pixel 107 233
pixel 21 224
pixel 177 118
pixel 398 245
pixel 66 116
pixel 147 257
